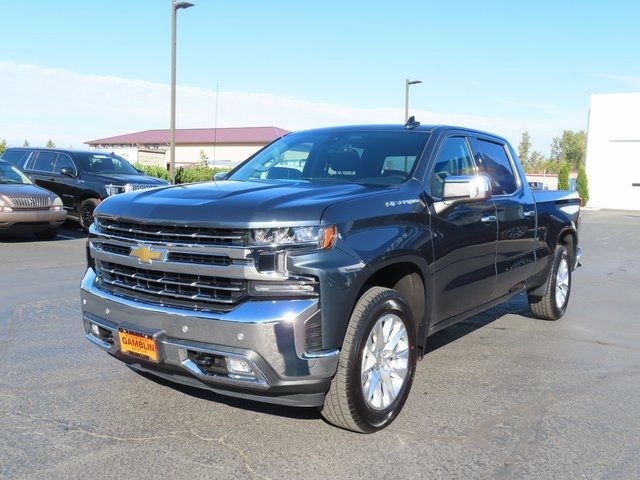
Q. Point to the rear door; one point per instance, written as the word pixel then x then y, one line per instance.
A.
pixel 515 212
pixel 40 169
pixel 464 237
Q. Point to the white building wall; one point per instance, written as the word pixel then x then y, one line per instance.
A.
pixel 220 156
pixel 613 151
pixel 224 155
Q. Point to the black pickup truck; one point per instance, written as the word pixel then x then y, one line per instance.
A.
pixel 315 272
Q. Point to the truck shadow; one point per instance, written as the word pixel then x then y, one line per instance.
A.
pixel 517 306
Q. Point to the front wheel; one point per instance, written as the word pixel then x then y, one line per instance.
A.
pixel 85 212
pixel 376 365
pixel 553 304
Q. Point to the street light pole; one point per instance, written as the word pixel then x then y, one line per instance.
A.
pixel 406 96
pixel 175 6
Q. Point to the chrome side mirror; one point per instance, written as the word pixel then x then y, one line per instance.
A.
pixel 459 189
pixel 219 176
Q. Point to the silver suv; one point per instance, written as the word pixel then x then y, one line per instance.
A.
pixel 25 208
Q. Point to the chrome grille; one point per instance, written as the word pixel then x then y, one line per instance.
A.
pixel 30 201
pixel 172 234
pixel 178 257
pixel 173 289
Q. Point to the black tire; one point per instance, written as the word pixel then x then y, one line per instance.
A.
pixel 48 234
pixel 345 405
pixel 85 212
pixel 546 307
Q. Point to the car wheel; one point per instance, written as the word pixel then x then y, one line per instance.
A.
pixel 376 364
pixel 48 234
pixel 553 304
pixel 85 212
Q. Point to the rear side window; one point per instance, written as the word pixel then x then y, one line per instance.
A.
pixel 493 161
pixel 44 161
pixel 16 157
pixel 454 158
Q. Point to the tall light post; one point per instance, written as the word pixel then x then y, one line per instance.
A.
pixel 406 96
pixel 175 6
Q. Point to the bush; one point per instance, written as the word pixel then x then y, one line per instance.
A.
pixel 153 171
pixel 563 177
pixel 582 185
pixel 199 173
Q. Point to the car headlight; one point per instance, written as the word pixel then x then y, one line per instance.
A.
pixel 4 206
pixel 319 237
pixel 57 205
pixel 114 189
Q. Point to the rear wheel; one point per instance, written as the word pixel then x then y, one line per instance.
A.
pixel 553 304
pixel 376 364
pixel 48 234
pixel 85 212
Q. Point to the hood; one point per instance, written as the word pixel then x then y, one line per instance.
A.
pixel 13 190
pixel 232 203
pixel 120 179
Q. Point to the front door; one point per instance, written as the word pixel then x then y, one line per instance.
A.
pixel 464 238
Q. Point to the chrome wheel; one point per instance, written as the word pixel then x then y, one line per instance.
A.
pixel 562 283
pixel 385 362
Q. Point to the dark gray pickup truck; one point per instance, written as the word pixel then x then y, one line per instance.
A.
pixel 315 272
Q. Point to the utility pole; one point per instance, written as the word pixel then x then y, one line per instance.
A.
pixel 175 6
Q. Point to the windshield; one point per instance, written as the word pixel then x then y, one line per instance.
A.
pixel 104 163
pixel 368 158
pixel 10 174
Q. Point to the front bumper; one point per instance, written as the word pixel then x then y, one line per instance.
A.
pixel 268 335
pixel 31 220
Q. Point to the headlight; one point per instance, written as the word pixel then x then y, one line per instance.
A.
pixel 114 189
pixel 320 237
pixel 4 206
pixel 57 206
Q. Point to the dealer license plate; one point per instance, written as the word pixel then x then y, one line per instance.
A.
pixel 138 344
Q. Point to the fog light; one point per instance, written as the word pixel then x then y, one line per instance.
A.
pixel 95 331
pixel 239 366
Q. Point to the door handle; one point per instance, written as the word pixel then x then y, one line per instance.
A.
pixel 530 213
pixel 488 219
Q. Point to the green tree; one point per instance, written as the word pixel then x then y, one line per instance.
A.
pixel 523 149
pixel 536 163
pixel 153 171
pixel 3 146
pixel 50 144
pixel 570 147
pixel 26 143
pixel 582 185
pixel 563 177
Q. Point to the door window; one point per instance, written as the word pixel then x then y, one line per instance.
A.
pixel 64 161
pixel 44 161
pixel 454 159
pixel 493 162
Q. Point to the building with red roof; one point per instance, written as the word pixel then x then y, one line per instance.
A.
pixel 215 146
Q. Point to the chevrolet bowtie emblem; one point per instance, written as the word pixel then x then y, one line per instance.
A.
pixel 145 254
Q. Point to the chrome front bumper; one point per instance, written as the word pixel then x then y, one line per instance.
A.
pixel 268 335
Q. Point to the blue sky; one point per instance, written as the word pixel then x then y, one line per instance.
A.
pixel 530 66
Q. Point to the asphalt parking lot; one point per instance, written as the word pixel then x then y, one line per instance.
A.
pixel 500 395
